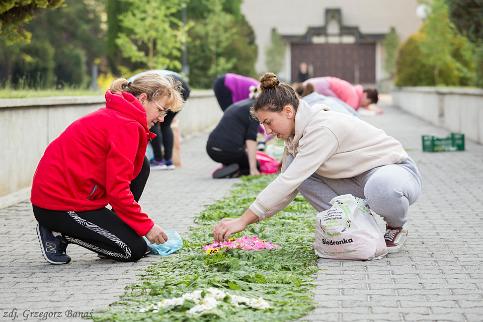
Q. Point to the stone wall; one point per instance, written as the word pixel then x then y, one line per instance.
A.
pixel 456 109
pixel 27 126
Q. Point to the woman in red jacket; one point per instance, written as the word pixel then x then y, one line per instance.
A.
pixel 98 161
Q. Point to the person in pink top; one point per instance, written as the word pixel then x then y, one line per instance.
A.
pixel 231 88
pixel 354 95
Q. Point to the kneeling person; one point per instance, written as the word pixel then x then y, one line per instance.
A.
pixel 98 161
pixel 328 154
pixel 233 142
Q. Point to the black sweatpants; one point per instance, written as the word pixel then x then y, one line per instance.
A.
pixel 222 93
pixel 100 230
pixel 228 157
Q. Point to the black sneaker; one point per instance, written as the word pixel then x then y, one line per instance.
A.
pixel 228 171
pixel 53 247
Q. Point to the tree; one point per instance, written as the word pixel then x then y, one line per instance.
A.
pixel 8 54
pixel 411 67
pixel 467 16
pixel 75 31
pixel 14 14
pixel 70 67
pixel 152 33
pixel 275 53
pixel 209 41
pixel 34 68
pixel 221 41
pixel 391 45
pixel 242 48
pixel 436 55
pixel 436 44
pixel 72 31
pixel 113 9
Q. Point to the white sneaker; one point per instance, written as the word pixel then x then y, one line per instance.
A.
pixel 158 166
pixel 395 238
pixel 167 167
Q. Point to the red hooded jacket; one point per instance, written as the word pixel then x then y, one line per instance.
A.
pixel 92 163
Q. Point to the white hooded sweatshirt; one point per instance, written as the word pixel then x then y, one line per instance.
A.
pixel 331 144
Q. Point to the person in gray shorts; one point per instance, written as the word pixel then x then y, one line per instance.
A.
pixel 328 154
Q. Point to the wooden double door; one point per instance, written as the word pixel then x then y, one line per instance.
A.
pixel 355 63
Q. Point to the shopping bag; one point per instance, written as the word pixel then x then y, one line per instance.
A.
pixel 349 230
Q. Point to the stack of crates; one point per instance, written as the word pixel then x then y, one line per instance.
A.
pixel 453 142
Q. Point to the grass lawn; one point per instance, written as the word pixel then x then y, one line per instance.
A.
pixel 283 277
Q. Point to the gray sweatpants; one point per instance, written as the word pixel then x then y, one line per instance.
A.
pixel 388 190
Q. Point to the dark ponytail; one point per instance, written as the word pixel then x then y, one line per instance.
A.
pixel 275 95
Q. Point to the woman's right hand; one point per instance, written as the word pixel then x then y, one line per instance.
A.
pixel 157 235
pixel 229 226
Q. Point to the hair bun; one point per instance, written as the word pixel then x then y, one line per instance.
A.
pixel 268 81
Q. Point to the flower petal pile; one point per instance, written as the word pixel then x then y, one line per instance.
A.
pixel 244 243
pixel 206 300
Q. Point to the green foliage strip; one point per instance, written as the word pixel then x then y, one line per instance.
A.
pixel 283 277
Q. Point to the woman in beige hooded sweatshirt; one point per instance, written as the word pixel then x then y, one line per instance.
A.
pixel 328 154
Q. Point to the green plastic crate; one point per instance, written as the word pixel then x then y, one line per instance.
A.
pixel 453 142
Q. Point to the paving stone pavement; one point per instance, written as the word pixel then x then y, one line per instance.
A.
pixel 29 284
pixel 438 276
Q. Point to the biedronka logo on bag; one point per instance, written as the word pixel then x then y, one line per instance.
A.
pixel 348 230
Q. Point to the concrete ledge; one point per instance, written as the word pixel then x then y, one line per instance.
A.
pixel 14 198
pixel 442 90
pixel 73 100
pixel 456 109
pixel 50 101
pixel 28 125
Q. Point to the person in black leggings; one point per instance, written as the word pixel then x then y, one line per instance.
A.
pixel 99 230
pixel 230 88
pixel 233 142
pixel 163 158
pixel 88 182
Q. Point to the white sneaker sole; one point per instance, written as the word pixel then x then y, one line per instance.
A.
pixel 168 167
pixel 400 243
pixel 163 167
pixel 43 250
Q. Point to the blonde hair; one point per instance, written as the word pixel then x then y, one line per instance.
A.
pixel 154 85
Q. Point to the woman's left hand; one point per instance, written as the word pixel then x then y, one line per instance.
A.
pixel 227 227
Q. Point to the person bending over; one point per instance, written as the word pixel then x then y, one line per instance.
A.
pixel 328 154
pixel 99 161
pixel 163 158
pixel 233 142
pixel 231 88
pixel 354 95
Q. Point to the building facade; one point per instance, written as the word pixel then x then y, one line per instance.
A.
pixel 341 38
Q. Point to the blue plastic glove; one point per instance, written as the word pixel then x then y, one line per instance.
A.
pixel 173 244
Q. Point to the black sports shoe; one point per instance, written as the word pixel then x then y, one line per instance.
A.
pixel 228 171
pixel 53 247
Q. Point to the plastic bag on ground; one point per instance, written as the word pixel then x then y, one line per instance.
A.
pixel 349 230
pixel 173 244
